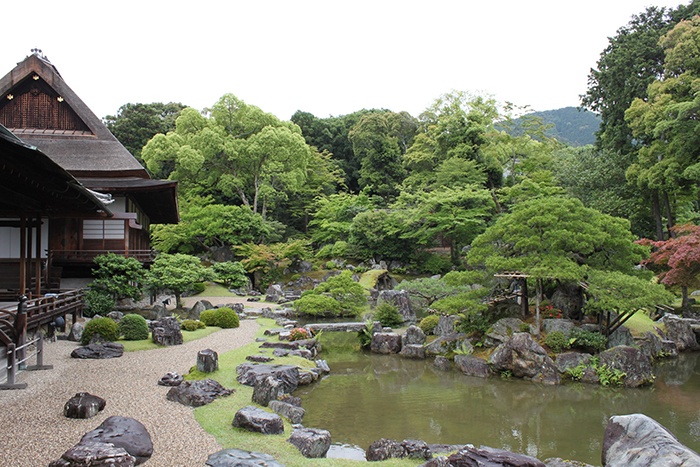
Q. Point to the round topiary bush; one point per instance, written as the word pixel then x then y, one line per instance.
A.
pixel 221 317
pixel 107 328
pixel 317 305
pixel 208 317
pixel 97 302
pixel 429 323
pixel 388 315
pixel 192 325
pixel 227 318
pixel 133 327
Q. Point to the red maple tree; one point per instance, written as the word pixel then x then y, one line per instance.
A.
pixel 677 260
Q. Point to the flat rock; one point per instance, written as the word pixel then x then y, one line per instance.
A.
pixel 293 413
pixel 486 456
pixel 170 379
pixel 240 458
pixel 257 420
pixel 472 366
pixel 197 393
pixel 99 351
pixel 95 455
pixel 248 373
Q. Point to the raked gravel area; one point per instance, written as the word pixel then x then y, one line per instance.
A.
pixel 35 432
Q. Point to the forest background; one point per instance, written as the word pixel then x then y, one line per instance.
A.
pixel 471 184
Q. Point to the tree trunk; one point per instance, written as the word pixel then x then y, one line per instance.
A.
pixel 656 213
pixel 524 302
pixel 685 302
pixel 670 221
pixel 178 300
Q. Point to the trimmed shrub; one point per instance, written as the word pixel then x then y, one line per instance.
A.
pixel 220 317
pixel 557 341
pixel 197 288
pixel 429 323
pixel 97 302
pixel 133 327
pixel 208 317
pixel 227 318
pixel 317 305
pixel 192 325
pixel 388 315
pixel 105 327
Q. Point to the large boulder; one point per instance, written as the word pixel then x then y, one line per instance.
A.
pixel 563 326
pixel 446 325
pixel 95 455
pixel 275 294
pixel 386 343
pixel 401 300
pixel 83 405
pixel 621 336
pixel 99 351
pixel 293 413
pixel 654 346
pixel 267 388
pixel 239 458
pixel 166 332
pixel 523 357
pixel 486 456
pixel 472 366
pixel 631 361
pixel 413 336
pixel 123 432
pixel 679 330
pixel 502 330
pixel 288 375
pixel 197 393
pixel 447 343
pixel 311 442
pixel 639 441
pixel 198 308
pixel 257 420
pixel 76 332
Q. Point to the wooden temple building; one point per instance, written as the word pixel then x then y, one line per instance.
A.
pixel 39 108
pixel 69 191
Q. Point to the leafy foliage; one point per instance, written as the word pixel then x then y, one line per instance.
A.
pixel 317 305
pixel 388 315
pixel 177 272
pixel 429 323
pixel 106 328
pixel 118 276
pixel 588 341
pixel 298 334
pixel 97 302
pixel 557 341
pixel 231 274
pixel 223 317
pixel 192 325
pixel 133 327
pixel 350 295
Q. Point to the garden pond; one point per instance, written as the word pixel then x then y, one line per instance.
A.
pixel 367 397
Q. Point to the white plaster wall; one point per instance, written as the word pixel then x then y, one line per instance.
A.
pixel 10 241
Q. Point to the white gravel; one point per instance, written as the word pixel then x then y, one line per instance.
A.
pixel 35 432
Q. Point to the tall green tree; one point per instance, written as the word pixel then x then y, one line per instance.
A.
pixel 379 140
pixel 135 124
pixel 666 124
pixel 454 126
pixel 237 153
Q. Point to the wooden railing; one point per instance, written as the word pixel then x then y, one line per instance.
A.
pixel 44 310
pixel 87 256
pixel 16 358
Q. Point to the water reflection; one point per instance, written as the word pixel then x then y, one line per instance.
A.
pixel 368 397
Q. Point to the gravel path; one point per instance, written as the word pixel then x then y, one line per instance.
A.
pixel 35 432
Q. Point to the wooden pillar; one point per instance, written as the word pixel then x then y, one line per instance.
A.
pixel 22 254
pixel 37 261
pixel 21 326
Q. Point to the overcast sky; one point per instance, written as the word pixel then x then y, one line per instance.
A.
pixel 327 57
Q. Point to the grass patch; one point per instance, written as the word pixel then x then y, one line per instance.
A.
pixel 216 290
pixel 148 344
pixel 216 418
pixel 640 323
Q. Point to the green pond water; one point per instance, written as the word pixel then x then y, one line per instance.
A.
pixel 367 397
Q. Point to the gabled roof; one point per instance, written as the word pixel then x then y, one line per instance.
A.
pixel 59 123
pixel 33 184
